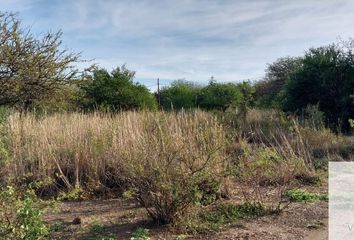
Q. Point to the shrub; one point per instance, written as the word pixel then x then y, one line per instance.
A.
pixel 21 216
pixel 172 160
pixel 262 169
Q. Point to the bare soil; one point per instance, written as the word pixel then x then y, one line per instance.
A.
pixel 120 217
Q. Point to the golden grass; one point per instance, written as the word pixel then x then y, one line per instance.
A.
pixel 81 149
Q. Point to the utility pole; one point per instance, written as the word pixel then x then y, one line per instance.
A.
pixel 158 92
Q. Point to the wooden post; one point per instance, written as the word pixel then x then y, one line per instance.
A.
pixel 158 92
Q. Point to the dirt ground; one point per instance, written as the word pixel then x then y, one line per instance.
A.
pixel 119 218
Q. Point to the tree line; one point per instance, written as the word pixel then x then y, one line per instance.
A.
pixel 37 73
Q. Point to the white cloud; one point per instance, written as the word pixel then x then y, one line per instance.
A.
pixel 191 39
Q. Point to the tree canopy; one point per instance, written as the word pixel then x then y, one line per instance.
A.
pixel 219 96
pixel 31 68
pixel 277 73
pixel 180 94
pixel 326 79
pixel 115 91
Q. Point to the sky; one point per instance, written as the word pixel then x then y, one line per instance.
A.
pixel 231 40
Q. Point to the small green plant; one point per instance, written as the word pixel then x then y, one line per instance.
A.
pixel 299 195
pixel 129 194
pixel 96 229
pixel 351 123
pixel 21 216
pixel 75 194
pixel 141 234
pixel 225 214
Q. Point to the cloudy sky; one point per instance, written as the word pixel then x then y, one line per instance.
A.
pixel 231 40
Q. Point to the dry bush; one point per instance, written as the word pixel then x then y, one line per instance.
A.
pixel 174 161
pixel 258 126
pixel 327 146
pixel 266 173
pixel 270 158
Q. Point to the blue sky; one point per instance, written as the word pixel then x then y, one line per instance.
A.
pixel 232 40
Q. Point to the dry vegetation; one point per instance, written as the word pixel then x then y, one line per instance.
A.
pixel 170 163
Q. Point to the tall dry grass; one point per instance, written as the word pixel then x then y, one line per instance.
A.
pixel 167 161
pixel 82 149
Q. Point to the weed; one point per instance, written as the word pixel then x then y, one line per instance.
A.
pixel 225 214
pixel 75 194
pixel 141 234
pixel 299 195
pixel 21 216
pixel 97 231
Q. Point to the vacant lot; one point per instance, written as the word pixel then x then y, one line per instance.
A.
pixel 187 175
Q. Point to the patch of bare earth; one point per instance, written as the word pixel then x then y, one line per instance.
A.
pixel 77 220
pixel 299 221
pixel 121 217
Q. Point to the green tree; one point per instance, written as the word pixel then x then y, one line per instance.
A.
pixel 325 79
pixel 277 73
pixel 219 96
pixel 115 91
pixel 31 68
pixel 247 97
pixel 181 94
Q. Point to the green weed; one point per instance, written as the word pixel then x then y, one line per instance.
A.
pixel 141 234
pixel 299 195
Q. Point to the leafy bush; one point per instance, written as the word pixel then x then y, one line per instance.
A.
pixel 21 216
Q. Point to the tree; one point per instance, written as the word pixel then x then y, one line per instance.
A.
pixel 181 94
pixel 326 79
pixel 115 91
pixel 31 68
pixel 267 91
pixel 247 97
pixel 219 96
